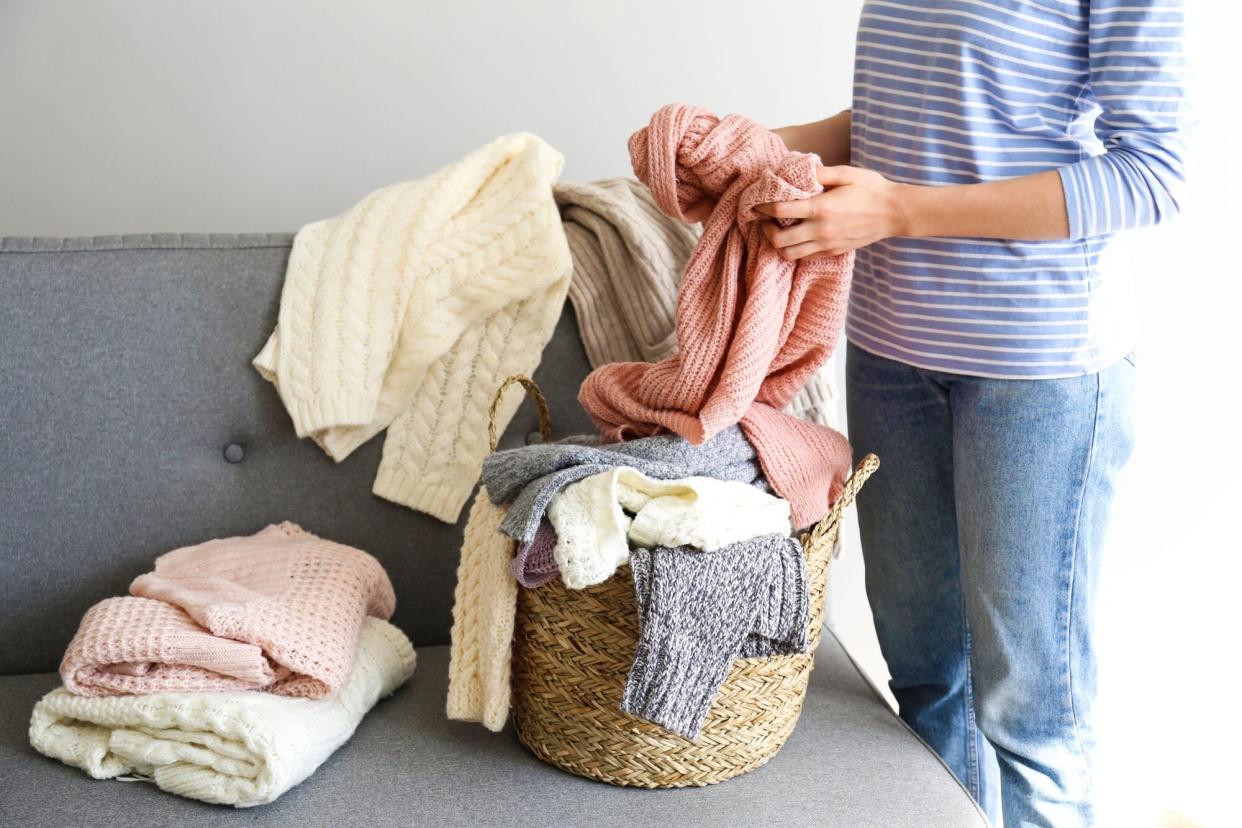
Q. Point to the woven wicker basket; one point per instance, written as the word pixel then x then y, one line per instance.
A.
pixel 572 651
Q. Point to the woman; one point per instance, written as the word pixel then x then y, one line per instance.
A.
pixel 996 148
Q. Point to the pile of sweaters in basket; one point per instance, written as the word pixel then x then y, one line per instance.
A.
pixel 702 466
pixel 231 671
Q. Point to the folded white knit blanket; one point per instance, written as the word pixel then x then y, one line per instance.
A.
pixel 239 748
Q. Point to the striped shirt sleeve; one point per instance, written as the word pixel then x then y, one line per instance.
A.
pixel 1139 77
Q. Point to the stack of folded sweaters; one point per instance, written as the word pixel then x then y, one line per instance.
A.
pixel 702 466
pixel 230 672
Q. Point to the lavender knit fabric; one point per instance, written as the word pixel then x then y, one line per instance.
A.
pixel 528 477
pixel 534 564
pixel 698 611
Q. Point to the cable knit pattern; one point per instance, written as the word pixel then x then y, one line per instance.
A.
pixel 238 748
pixel 484 606
pixel 279 610
pixel 407 311
pixel 628 260
pixel 751 326
pixel 594 527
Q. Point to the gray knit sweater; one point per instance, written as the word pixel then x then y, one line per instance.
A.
pixel 529 477
pixel 698 611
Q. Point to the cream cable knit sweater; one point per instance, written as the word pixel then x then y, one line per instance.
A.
pixel 594 531
pixel 408 310
pixel 238 748
pixel 628 261
pixel 484 606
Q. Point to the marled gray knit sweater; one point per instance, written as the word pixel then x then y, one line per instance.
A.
pixel 529 477
pixel 698 611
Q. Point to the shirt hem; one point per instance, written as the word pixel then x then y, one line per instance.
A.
pixel 1092 367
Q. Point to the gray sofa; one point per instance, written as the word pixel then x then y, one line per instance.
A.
pixel 131 422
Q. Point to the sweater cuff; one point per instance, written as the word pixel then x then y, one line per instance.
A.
pixel 649 527
pixel 339 443
pixel 310 416
pixel 673 683
pixel 441 499
pixel 1076 185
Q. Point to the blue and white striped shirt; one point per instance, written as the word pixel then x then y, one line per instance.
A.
pixel 964 91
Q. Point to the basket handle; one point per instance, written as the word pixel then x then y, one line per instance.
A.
pixel 865 468
pixel 541 405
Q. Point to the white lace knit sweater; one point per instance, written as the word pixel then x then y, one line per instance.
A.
pixel 595 530
pixel 407 311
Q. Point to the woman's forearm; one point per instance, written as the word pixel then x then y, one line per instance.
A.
pixel 1030 207
pixel 829 138
pixel 859 206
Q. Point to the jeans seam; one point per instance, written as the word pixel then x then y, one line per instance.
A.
pixel 968 693
pixel 1073 566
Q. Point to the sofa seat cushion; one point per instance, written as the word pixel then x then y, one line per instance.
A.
pixel 851 762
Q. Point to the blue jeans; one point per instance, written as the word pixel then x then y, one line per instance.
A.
pixel 982 534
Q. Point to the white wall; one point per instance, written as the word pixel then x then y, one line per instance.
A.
pixel 1168 618
pixel 146 115
pixel 150 115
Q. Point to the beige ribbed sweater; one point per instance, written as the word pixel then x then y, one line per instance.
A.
pixel 407 311
pixel 628 259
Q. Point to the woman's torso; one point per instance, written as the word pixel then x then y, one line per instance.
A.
pixel 960 92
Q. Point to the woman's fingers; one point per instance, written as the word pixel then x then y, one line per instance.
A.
pixel 810 207
pixel 800 209
pixel 787 236
pixel 837 176
pixel 799 251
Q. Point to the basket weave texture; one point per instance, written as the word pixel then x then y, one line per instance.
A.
pixel 572 652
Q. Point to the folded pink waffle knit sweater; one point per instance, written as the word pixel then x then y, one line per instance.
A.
pixel 280 610
pixel 751 326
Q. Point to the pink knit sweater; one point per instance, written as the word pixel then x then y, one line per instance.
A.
pixel 751 326
pixel 280 610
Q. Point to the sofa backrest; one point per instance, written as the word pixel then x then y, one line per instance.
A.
pixel 125 377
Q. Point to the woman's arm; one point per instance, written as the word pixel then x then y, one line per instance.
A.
pixel 829 138
pixel 861 206
pixel 1138 77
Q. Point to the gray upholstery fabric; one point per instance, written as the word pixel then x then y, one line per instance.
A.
pixel 125 378
pixel 851 762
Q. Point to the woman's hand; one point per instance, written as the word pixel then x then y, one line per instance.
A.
pixel 856 208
